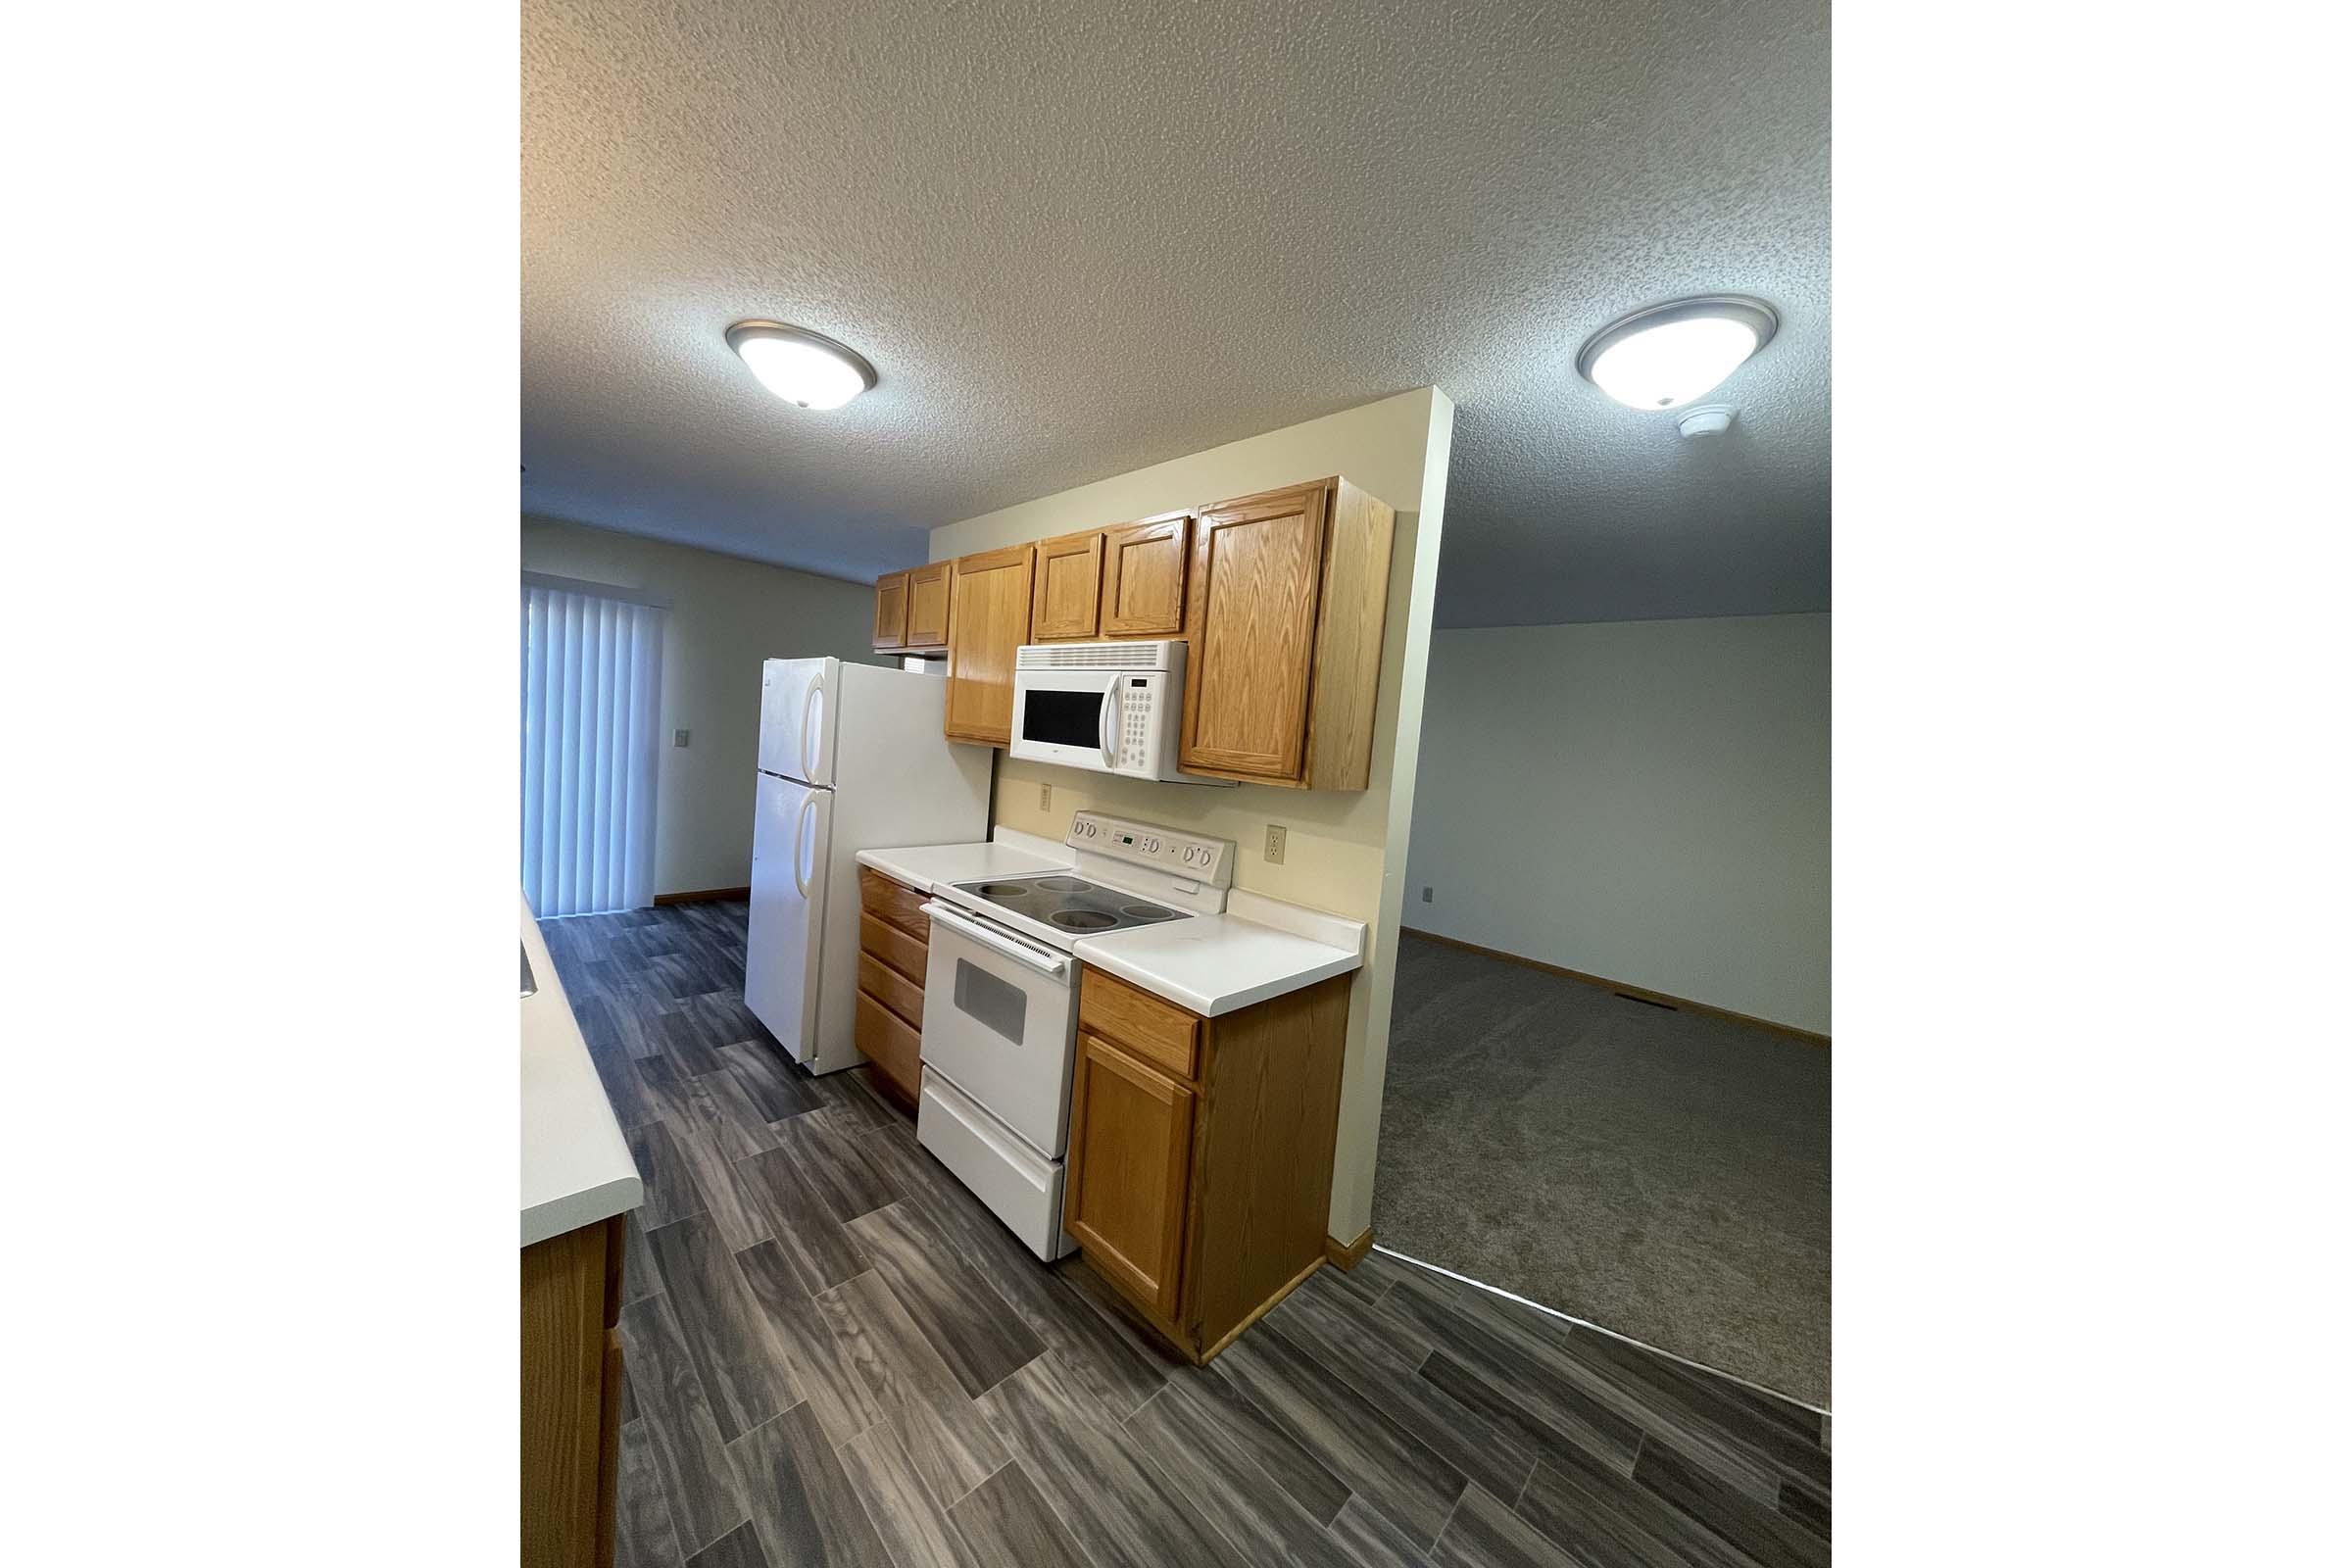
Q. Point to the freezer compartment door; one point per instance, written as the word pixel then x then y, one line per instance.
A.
pixel 800 711
pixel 783 946
pixel 1020 1187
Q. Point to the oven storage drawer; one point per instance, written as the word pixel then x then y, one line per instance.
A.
pixel 1004 1172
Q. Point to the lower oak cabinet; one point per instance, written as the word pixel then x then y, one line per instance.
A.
pixel 893 938
pixel 572 1395
pixel 1200 1150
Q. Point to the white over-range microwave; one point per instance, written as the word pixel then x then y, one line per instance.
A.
pixel 1109 707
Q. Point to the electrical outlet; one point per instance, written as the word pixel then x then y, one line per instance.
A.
pixel 1045 797
pixel 1425 891
pixel 1276 837
pixel 677 739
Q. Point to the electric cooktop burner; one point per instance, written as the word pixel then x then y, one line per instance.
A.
pixel 1070 903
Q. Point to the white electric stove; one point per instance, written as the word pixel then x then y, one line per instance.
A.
pixel 1001 1004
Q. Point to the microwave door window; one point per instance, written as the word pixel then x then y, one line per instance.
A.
pixel 1062 718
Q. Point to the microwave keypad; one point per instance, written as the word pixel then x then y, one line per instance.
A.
pixel 1136 725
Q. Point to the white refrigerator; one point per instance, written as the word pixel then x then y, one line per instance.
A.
pixel 851 757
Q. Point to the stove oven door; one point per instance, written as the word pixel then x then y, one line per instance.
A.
pixel 1001 1022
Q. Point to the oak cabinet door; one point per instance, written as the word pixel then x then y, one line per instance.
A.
pixel 1130 1143
pixel 927 607
pixel 890 610
pixel 1142 578
pixel 1256 564
pixel 987 621
pixel 1069 586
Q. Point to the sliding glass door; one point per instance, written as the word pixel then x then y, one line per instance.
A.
pixel 591 704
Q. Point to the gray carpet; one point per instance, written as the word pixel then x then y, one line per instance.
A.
pixel 1665 1175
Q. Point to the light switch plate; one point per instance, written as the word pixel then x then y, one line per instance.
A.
pixel 1425 890
pixel 677 739
pixel 1045 797
pixel 1277 840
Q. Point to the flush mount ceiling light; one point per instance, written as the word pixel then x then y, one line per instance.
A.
pixel 1664 355
pixel 798 366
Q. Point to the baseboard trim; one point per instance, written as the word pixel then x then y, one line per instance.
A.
pixel 1347 1254
pixel 703 896
pixel 1665 997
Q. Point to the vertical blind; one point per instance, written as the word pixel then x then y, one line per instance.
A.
pixel 591 697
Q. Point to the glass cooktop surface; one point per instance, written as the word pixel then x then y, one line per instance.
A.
pixel 1070 903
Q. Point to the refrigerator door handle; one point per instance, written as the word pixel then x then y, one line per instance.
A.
pixel 800 836
pixel 808 711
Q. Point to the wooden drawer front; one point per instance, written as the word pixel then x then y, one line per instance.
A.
pixel 1167 1037
pixel 1130 1170
pixel 890 988
pixel 927 607
pixel 896 1050
pixel 893 947
pixel 894 901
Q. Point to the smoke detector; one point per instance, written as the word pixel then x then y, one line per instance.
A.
pixel 1708 418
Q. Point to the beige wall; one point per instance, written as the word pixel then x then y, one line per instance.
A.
pixel 1646 801
pixel 725 615
pixel 1345 850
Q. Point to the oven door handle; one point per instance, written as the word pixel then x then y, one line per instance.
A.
pixel 1053 965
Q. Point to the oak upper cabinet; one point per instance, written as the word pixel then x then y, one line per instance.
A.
pixel 927 589
pixel 1143 578
pixel 1285 605
pixel 987 621
pixel 1068 588
pixel 1131 1155
pixel 890 610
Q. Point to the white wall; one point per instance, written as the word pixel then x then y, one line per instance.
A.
pixel 1345 849
pixel 1644 800
pixel 725 615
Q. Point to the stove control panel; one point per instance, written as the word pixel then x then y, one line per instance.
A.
pixel 1164 848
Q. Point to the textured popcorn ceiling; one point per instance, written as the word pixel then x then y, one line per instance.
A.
pixel 1080 238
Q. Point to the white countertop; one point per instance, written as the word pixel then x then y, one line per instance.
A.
pixel 1216 964
pixel 1210 964
pixel 576 1167
pixel 927 866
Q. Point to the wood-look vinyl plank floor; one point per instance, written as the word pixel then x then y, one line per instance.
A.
pixel 1381 1462
pixel 1007 1521
pixel 745 1369
pixel 801 1498
pixel 946 1434
pixel 1484 1533
pixel 980 1338
pixel 914 1529
pixel 807 1325
pixel 687 1453
pixel 1121 1508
